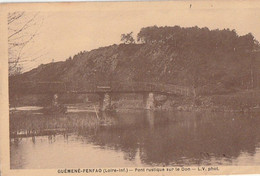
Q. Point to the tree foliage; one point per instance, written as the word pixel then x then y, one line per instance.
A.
pixel 198 38
pixel 127 38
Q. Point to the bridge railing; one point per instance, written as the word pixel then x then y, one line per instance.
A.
pixel 88 87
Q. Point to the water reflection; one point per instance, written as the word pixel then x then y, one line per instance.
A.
pixel 134 139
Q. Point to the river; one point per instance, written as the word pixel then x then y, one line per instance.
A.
pixel 82 139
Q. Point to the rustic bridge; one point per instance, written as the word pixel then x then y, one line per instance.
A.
pixel 104 89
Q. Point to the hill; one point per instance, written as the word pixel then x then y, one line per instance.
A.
pixel 211 61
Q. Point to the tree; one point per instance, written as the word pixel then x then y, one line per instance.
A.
pixel 22 29
pixel 127 38
pixel 148 34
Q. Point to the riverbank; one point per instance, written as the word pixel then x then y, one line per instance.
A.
pixel 244 101
pixel 241 101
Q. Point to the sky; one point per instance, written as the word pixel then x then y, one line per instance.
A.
pixel 62 34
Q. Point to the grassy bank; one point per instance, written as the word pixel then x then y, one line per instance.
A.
pixel 244 101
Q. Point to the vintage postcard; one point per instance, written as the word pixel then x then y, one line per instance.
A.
pixel 130 88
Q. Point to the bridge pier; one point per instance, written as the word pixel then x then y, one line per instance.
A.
pixel 104 101
pixel 150 116
pixel 148 100
pixel 55 100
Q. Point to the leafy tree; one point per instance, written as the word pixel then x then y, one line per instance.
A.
pixel 127 38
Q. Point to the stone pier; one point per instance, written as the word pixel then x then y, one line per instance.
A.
pixel 55 100
pixel 150 118
pixel 105 101
pixel 148 100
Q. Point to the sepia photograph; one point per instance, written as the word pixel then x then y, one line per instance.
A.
pixel 132 85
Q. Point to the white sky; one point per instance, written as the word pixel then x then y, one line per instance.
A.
pixel 63 34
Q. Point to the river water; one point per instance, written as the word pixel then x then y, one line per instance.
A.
pixel 132 139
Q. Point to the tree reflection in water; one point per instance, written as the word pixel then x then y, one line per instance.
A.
pixel 156 138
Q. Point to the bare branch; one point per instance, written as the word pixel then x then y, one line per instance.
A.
pixel 14 16
pixel 25 26
pixel 21 27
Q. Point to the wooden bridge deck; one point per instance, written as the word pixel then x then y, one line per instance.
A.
pixel 90 87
